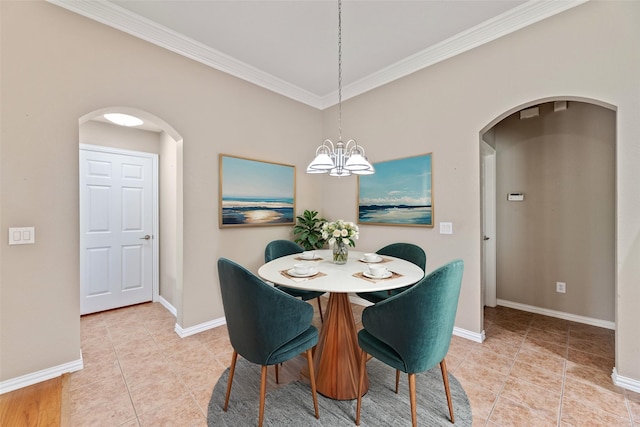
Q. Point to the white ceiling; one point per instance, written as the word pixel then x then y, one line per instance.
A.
pixel 291 47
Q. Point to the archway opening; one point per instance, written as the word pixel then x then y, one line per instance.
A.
pixel 159 138
pixel 555 186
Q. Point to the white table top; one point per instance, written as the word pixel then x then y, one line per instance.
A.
pixel 340 278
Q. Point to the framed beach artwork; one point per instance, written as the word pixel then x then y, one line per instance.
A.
pixel 256 193
pixel 399 193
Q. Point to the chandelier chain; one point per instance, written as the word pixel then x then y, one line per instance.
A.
pixel 339 70
pixel 340 159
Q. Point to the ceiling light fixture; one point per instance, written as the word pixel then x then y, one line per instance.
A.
pixel 340 159
pixel 123 119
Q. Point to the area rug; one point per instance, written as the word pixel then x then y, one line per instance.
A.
pixel 292 405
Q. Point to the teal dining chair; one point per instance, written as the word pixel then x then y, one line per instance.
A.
pixel 266 326
pixel 407 251
pixel 411 331
pixel 279 248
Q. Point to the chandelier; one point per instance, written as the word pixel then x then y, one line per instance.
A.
pixel 340 159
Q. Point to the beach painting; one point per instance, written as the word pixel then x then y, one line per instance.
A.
pixel 255 193
pixel 399 193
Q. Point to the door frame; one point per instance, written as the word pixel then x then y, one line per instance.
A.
pixel 488 209
pixel 155 257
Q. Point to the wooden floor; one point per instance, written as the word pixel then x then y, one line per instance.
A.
pixel 38 405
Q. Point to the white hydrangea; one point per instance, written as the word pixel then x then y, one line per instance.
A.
pixel 347 231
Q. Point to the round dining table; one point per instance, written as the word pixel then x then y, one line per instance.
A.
pixel 337 355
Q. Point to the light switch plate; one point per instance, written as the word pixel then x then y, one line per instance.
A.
pixel 22 235
pixel 446 228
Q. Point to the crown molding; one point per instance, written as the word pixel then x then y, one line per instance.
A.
pixel 513 20
pixel 119 18
pixel 122 19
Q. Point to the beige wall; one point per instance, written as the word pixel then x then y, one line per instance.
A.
pixel 591 51
pixel 168 219
pixel 564 230
pixel 105 134
pixel 57 66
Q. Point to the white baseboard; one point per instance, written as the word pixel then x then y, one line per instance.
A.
pixel 185 332
pixel 39 376
pixel 168 306
pixel 473 336
pixel 625 382
pixel 558 314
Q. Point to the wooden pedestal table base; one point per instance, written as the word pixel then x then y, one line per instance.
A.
pixel 336 360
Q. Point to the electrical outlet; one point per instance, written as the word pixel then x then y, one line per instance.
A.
pixel 561 287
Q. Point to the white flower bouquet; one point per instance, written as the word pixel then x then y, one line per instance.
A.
pixel 340 231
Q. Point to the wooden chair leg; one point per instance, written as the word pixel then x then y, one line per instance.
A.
pixel 412 399
pixel 445 378
pixel 320 309
pixel 397 379
pixel 312 377
pixel 232 370
pixel 363 366
pixel 277 374
pixel 263 392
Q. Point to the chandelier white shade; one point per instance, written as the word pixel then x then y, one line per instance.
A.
pixel 340 159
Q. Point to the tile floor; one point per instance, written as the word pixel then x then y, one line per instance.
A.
pixel 531 370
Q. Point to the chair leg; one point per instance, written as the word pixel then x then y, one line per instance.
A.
pixel 320 309
pixel 263 392
pixel 445 378
pixel 277 374
pixel 232 370
pixel 397 379
pixel 412 399
pixel 312 377
pixel 363 366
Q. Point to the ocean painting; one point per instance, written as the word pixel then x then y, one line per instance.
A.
pixel 254 192
pixel 399 193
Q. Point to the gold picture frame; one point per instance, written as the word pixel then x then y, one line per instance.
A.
pixel 255 193
pixel 399 193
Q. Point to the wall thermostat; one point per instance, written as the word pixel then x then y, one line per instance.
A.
pixel 515 197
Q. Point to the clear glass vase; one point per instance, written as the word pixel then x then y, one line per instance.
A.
pixel 340 252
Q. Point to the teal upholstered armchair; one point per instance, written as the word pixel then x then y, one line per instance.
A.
pixel 279 248
pixel 406 251
pixel 411 332
pixel 266 326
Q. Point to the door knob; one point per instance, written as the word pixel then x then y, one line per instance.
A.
pixel 146 237
pixel 486 238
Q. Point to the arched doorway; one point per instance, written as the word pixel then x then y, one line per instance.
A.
pixel 158 138
pixel 557 161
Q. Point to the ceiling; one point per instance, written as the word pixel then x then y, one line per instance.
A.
pixel 291 47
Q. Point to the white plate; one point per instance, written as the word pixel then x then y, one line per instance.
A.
pixel 293 273
pixel 379 259
pixel 384 276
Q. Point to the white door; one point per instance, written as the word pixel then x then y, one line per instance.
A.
pixel 488 198
pixel 118 192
